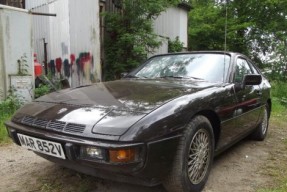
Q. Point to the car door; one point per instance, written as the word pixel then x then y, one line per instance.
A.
pixel 248 98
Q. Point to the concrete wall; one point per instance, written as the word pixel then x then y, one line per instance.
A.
pixel 15 42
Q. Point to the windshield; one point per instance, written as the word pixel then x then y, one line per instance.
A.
pixel 202 66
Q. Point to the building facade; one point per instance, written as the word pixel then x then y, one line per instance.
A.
pixel 72 42
pixel 69 41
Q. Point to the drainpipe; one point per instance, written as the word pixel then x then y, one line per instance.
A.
pixel 45 57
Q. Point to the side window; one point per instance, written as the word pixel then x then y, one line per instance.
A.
pixel 253 68
pixel 242 68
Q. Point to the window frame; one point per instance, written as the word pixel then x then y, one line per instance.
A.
pixel 251 69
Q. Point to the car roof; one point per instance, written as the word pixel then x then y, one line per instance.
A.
pixel 196 52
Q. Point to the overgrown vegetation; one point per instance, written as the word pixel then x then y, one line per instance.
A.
pixel 276 166
pixel 7 108
pixel 130 35
pixel 255 28
pixel 42 90
pixel 279 92
pixel 175 45
pixel 47 84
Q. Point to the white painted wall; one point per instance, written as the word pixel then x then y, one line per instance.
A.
pixel 59 41
pixel 85 36
pixel 75 30
pixel 15 42
pixel 172 23
pixel 41 31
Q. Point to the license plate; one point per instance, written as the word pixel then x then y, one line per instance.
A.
pixel 42 146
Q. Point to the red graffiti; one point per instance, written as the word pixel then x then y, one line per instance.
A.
pixel 59 64
pixel 73 58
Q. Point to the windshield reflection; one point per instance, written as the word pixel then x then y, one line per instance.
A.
pixel 202 66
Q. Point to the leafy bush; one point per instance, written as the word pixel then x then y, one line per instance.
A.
pixel 175 45
pixel 3 132
pixel 7 109
pixel 42 90
pixel 279 92
pixel 130 36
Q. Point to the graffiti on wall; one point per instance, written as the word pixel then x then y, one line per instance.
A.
pixel 80 69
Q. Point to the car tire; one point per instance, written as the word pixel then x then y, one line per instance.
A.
pixel 261 131
pixel 194 157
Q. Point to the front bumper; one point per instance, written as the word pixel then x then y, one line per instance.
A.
pixel 156 156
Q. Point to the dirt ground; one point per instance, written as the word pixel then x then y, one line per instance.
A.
pixel 241 168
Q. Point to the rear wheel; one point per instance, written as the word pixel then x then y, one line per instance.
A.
pixel 261 131
pixel 194 158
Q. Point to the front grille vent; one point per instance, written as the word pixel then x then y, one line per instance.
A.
pixel 40 123
pixel 53 125
pixel 58 125
pixel 75 128
pixel 27 120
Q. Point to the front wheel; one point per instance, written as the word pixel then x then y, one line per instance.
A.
pixel 194 158
pixel 261 131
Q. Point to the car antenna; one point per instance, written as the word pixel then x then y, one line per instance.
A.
pixel 225 38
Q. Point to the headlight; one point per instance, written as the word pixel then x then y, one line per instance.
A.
pixel 88 152
pixel 114 155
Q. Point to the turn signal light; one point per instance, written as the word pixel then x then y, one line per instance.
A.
pixel 122 155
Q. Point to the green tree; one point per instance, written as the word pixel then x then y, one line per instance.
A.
pixel 254 28
pixel 206 27
pixel 130 34
pixel 208 22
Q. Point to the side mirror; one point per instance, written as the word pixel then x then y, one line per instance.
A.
pixel 248 80
pixel 252 80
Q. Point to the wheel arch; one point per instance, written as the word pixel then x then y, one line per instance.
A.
pixel 215 123
pixel 269 106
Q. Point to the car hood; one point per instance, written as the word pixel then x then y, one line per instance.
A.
pixel 108 108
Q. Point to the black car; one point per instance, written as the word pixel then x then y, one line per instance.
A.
pixel 162 123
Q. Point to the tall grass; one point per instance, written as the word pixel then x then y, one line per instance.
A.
pixel 7 109
pixel 279 114
pixel 3 131
pixel 279 92
pixel 10 105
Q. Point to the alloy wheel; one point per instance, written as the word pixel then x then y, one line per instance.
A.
pixel 199 156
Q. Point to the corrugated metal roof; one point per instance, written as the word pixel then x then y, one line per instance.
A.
pixel 32 4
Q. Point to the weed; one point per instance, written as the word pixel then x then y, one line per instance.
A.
pixel 279 92
pixel 7 109
pixel 42 90
pixel 276 166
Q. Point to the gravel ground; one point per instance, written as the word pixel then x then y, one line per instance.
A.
pixel 241 168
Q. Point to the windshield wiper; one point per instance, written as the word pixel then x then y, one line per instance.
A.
pixel 131 76
pixel 136 77
pixel 171 76
pixel 180 77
